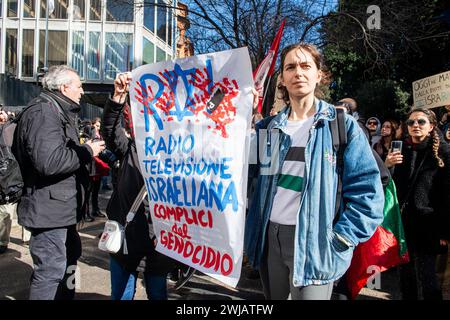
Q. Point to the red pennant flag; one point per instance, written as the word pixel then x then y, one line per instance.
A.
pixel 267 66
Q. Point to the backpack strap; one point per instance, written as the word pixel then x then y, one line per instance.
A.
pixel 339 138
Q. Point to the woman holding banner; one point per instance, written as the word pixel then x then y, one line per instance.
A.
pixel 292 234
pixel 140 254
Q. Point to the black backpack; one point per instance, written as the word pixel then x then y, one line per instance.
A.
pixel 11 182
pixel 339 138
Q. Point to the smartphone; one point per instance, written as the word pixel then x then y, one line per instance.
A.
pixel 215 101
pixel 396 145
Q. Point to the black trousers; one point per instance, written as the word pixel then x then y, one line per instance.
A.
pixel 95 188
pixel 418 278
pixel 55 253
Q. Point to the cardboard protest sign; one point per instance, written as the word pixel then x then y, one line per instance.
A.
pixel 191 118
pixel 432 92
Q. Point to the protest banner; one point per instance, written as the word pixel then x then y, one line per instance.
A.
pixel 192 121
pixel 432 92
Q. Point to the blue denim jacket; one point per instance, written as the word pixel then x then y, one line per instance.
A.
pixel 323 250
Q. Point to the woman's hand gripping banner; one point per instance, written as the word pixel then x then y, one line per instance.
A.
pixel 191 123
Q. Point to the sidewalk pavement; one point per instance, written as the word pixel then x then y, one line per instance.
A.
pixel 16 270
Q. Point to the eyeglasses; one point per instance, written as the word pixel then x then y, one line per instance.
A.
pixel 420 122
pixel 372 123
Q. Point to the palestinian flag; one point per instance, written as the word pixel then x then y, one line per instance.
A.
pixel 385 249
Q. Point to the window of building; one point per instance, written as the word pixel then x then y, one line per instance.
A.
pixel 60 11
pixel 119 11
pixel 78 9
pixel 78 52
pixel 93 65
pixel 11 51
pixel 161 21
pixel 29 8
pixel 27 53
pixel 160 55
pixel 170 21
pixel 57 47
pixel 148 56
pixel 149 16
pixel 1 8
pixel 118 53
pixel 95 10
pixel 12 8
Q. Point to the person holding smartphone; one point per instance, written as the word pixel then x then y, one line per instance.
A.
pixel 422 176
pixel 388 130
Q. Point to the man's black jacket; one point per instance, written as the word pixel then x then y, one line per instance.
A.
pixel 53 163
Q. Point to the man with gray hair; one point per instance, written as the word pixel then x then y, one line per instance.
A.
pixel 53 166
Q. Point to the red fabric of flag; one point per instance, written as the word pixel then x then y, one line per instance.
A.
pixel 385 249
pixel 267 66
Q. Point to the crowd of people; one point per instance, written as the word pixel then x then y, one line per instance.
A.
pixel 305 217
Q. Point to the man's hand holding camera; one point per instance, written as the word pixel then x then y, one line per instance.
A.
pixel 97 146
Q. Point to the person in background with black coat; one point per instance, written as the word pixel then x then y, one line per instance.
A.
pixel 388 131
pixel 6 209
pixel 139 235
pixel 422 177
pixel 349 105
pixel 53 166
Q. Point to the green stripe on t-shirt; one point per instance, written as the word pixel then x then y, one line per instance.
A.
pixel 293 183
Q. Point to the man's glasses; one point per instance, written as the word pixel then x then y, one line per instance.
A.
pixel 372 123
pixel 411 122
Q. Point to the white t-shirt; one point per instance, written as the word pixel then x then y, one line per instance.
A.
pixel 286 202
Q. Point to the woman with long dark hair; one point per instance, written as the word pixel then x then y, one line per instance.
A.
pixel 388 131
pixel 422 176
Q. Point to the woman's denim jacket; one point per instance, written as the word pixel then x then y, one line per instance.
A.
pixel 323 249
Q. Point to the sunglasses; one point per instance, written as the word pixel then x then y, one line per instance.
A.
pixel 421 122
pixel 372 123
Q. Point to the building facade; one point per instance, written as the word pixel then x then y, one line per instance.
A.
pixel 185 47
pixel 98 38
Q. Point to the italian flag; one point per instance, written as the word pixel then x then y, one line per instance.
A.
pixel 385 249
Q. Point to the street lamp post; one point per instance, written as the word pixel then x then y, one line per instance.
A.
pixel 46 37
pixel 48 11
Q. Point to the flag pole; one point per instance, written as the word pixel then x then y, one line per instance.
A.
pixel 267 67
pixel 265 91
pixel 46 38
